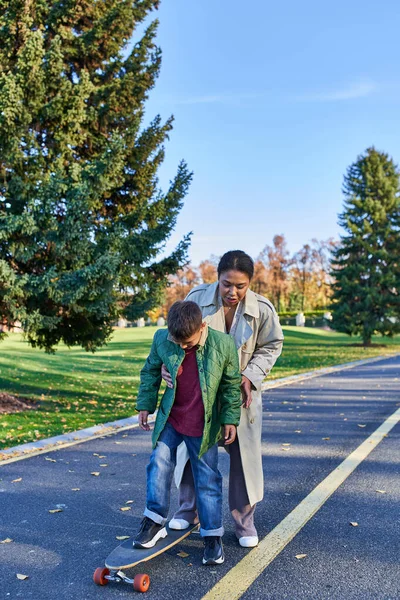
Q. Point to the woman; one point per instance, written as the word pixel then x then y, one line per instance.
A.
pixel 230 306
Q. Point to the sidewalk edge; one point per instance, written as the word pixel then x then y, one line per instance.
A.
pixel 66 440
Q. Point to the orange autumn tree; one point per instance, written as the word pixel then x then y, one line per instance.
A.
pixel 179 285
pixel 276 261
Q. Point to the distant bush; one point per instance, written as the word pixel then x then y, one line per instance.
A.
pixel 314 318
pixel 311 314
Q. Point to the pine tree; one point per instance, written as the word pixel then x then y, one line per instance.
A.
pixel 82 218
pixel 366 263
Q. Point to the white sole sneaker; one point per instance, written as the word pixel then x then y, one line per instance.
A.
pixel 178 524
pixel 160 535
pixel 217 561
pixel 251 541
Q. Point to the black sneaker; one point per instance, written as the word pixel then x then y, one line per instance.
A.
pixel 213 550
pixel 149 534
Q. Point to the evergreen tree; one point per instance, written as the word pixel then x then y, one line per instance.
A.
pixel 82 218
pixel 366 264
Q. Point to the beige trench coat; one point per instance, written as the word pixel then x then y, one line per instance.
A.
pixel 258 337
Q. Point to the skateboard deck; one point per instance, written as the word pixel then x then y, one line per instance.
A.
pixel 125 556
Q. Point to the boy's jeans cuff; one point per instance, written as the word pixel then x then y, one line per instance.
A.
pixel 155 517
pixel 207 532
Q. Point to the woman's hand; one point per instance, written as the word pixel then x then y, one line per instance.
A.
pixel 246 392
pixel 229 434
pixel 166 376
pixel 143 416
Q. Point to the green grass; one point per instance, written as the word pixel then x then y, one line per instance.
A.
pixel 76 389
pixel 306 349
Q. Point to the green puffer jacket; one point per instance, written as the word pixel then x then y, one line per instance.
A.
pixel 219 376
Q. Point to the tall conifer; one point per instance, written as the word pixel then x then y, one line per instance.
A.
pixel 366 263
pixel 82 217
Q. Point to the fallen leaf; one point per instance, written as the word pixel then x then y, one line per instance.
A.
pixel 361 425
pixel 286 444
pixel 183 554
pixel 6 541
pixel 75 489
pixel 55 510
pixel 299 556
pixel 95 473
pixel 285 449
pixel 327 438
pixel 103 456
pixel 297 431
pixel 16 480
pixel 381 491
pixel 354 523
pixel 129 502
pixel 104 465
pixel 126 508
pixel 22 577
pixel 95 454
pixel 50 459
pixel 121 538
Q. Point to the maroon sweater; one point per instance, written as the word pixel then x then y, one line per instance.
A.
pixel 187 412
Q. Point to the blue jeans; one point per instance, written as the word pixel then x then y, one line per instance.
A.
pixel 207 480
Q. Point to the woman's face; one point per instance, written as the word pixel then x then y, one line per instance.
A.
pixel 233 286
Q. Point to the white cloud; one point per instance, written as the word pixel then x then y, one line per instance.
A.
pixel 356 89
pixel 229 98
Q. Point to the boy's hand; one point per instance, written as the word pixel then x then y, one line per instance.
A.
pixel 246 392
pixel 143 416
pixel 229 434
pixel 166 376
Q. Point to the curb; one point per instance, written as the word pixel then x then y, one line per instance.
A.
pixel 66 440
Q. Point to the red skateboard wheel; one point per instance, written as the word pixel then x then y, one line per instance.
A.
pixel 99 576
pixel 141 583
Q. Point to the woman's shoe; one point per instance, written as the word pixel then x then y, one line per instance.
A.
pixel 250 541
pixel 178 524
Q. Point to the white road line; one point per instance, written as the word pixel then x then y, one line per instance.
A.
pixel 233 585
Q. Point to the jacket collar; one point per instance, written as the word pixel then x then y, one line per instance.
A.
pixel 210 297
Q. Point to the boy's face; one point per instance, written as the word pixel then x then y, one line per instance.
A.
pixel 192 341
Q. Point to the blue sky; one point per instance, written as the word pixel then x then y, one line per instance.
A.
pixel 272 102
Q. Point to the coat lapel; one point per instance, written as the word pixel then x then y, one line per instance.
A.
pixel 243 331
pixel 250 311
pixel 215 316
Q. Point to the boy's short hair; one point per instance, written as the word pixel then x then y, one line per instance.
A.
pixel 184 320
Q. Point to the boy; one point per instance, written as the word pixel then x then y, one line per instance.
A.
pixel 204 366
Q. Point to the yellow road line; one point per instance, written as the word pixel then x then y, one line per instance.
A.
pixel 233 585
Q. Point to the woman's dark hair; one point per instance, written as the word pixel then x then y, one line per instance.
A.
pixel 184 320
pixel 236 260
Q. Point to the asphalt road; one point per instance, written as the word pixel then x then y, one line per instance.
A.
pixel 59 551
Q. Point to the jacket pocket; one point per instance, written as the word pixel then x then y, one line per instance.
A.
pixel 245 358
